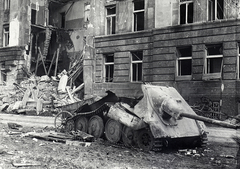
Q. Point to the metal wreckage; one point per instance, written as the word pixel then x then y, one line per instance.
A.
pixel 160 118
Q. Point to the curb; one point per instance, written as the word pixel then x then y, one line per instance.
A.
pixel 38 121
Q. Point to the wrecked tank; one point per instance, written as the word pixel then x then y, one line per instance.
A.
pixel 161 118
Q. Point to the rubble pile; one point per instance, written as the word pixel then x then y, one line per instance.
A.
pixel 39 95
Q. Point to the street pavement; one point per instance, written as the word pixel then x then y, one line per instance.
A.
pixel 216 134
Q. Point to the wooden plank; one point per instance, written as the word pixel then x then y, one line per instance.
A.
pixel 54 55
pixel 56 65
pixel 25 97
pixel 40 53
pixel 70 95
pixel 36 68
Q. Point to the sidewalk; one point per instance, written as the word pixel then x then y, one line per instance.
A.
pixel 216 134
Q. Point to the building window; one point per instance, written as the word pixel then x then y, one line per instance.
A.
pixel 3 76
pixel 213 61
pixel 6 4
pixel 238 61
pixel 215 9
pixel 136 66
pixel 86 12
pixel 5 36
pixel 109 67
pixel 184 61
pixel 33 16
pixel 63 15
pixel 186 11
pixel 111 20
pixel 138 14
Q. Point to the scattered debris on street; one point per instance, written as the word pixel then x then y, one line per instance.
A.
pixel 40 95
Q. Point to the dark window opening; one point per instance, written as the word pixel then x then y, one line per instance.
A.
pixel 33 16
pixel 215 9
pixel 63 17
pixel 138 15
pixel 214 59
pixel 220 9
pixel 3 74
pixel 111 10
pixel 5 36
pixel 137 73
pixel 239 61
pixel 139 21
pixel 138 5
pixel 111 20
pixel 186 13
pixel 109 67
pixel 184 61
pixel 214 65
pixel 214 50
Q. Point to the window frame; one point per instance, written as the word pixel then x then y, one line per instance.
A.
pixel 137 62
pixel 87 8
pixel 135 12
pixel 186 3
pixel 6 5
pixel 238 61
pixel 3 75
pixel 111 16
pixel 33 18
pixel 179 58
pixel 63 19
pixel 6 34
pixel 206 68
pixel 107 66
pixel 214 10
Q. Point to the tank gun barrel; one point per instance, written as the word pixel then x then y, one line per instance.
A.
pixel 208 120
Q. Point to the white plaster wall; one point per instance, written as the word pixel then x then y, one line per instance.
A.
pixel 163 13
pixel 14 32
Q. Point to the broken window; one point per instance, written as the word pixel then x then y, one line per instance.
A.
pixel 186 11
pixel 109 67
pixel 5 35
pixel 214 59
pixel 111 20
pixel 136 66
pixel 33 16
pixel 63 15
pixel 215 9
pixel 184 61
pixel 138 14
pixel 6 4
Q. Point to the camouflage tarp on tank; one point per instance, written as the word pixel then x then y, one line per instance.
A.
pixel 161 108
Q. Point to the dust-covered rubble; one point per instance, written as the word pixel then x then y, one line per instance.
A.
pixel 39 95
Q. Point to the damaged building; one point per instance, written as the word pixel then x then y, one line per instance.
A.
pixel 117 45
pixel 40 37
pixel 192 45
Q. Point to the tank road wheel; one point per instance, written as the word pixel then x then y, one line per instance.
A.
pixel 127 136
pixel 113 130
pixel 81 124
pixel 61 119
pixel 96 126
pixel 69 126
pixel 145 140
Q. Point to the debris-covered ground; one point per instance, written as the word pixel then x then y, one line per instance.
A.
pixel 18 149
pixel 39 95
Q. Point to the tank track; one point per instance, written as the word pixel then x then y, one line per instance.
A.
pixel 157 145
